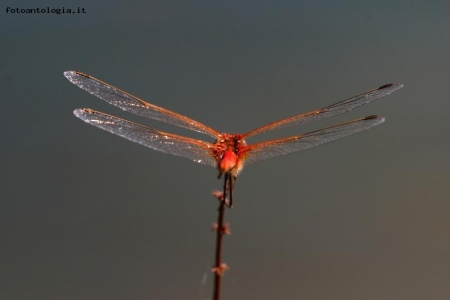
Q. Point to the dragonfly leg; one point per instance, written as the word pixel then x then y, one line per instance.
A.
pixel 231 185
pixel 225 188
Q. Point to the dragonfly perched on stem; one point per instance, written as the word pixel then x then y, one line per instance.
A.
pixel 229 152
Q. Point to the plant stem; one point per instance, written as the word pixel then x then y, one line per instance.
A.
pixel 218 268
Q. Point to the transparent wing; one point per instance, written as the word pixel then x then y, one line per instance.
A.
pixel 130 103
pixel 329 111
pixel 196 150
pixel 283 146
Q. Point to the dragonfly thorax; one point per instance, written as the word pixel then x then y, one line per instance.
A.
pixel 229 140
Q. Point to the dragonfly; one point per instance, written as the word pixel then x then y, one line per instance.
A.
pixel 229 152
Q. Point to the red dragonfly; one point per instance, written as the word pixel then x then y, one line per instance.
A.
pixel 229 152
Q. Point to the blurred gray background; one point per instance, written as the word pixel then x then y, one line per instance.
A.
pixel 89 215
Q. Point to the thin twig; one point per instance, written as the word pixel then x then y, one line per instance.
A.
pixel 221 229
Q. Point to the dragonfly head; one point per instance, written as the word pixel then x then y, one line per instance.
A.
pixel 227 162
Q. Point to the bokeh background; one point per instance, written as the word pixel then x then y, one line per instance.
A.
pixel 88 215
